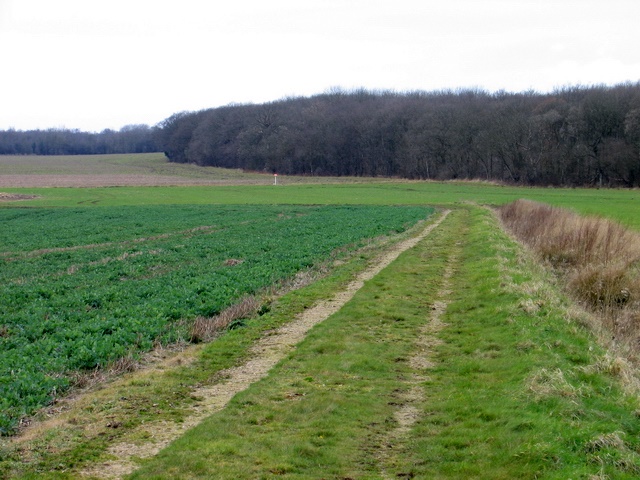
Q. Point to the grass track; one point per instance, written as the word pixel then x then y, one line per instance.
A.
pixel 321 411
pixel 514 392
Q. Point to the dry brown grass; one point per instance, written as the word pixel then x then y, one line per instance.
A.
pixel 597 258
pixel 99 375
pixel 545 383
pixel 205 329
pixel 567 239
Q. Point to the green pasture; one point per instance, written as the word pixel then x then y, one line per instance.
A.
pixel 231 186
pixel 622 205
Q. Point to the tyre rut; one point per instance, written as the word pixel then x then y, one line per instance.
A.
pixel 265 354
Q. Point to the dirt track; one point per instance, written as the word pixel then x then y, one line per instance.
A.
pixel 264 355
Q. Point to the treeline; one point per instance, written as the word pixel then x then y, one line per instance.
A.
pixel 129 139
pixel 573 136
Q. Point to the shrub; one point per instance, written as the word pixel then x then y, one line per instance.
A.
pixel 597 258
pixel 567 239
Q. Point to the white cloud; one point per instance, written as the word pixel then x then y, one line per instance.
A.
pixel 94 65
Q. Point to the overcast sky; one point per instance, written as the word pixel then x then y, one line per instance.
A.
pixel 95 64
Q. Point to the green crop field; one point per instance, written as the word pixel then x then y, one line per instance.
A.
pixel 462 359
pixel 622 205
pixel 82 287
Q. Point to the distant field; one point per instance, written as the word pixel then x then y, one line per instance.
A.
pixel 144 169
pixel 171 183
pixel 109 170
pixel 128 177
pixel 622 205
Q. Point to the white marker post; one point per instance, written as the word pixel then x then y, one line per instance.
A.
pixel 275 178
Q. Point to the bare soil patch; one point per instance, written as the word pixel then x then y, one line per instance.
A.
pixel 7 197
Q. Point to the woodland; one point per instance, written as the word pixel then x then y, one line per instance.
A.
pixel 573 136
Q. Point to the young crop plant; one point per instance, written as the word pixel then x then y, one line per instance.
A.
pixel 105 283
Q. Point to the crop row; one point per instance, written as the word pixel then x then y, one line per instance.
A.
pixel 80 288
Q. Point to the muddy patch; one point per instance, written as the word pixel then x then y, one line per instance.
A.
pixel 10 197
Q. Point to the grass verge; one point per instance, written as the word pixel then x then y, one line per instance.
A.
pixel 597 259
pixel 516 391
